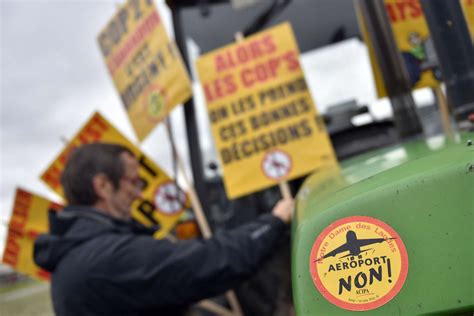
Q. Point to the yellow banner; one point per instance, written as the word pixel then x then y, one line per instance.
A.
pixel 468 8
pixel 29 219
pixel 264 123
pixel 161 202
pixel 414 42
pixel 145 65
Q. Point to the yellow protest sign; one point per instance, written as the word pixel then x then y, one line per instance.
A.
pixel 468 9
pixel 29 219
pixel 145 65
pixel 414 42
pixel 162 202
pixel 263 120
pixel 413 39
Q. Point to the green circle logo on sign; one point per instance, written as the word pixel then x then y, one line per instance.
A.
pixel 156 104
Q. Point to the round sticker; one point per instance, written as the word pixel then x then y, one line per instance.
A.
pixel 169 199
pixel 276 164
pixel 358 263
pixel 155 103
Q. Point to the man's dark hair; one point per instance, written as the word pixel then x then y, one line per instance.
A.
pixel 84 163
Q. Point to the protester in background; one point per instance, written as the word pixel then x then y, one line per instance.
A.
pixel 103 264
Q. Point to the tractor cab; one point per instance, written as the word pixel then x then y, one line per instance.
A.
pixel 388 231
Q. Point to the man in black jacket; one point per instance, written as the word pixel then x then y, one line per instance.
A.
pixel 103 264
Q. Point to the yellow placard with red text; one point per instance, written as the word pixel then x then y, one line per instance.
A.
pixel 161 202
pixel 468 9
pixel 146 67
pixel 414 42
pixel 29 219
pixel 358 263
pixel 264 123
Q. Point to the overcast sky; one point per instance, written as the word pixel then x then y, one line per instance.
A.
pixel 53 78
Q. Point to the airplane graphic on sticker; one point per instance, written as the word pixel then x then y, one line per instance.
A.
pixel 358 263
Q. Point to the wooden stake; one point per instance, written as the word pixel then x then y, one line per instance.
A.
pixel 215 308
pixel 285 190
pixel 201 219
pixel 239 36
pixel 208 304
pixel 234 303
pixel 198 211
pixel 444 112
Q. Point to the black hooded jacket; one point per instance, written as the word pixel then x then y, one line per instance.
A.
pixel 101 266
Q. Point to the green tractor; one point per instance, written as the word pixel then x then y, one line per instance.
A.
pixel 390 231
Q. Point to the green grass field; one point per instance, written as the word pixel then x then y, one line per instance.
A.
pixel 26 298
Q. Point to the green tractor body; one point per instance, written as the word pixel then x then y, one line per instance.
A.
pixel 423 192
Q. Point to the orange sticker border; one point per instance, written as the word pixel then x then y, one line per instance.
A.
pixel 350 306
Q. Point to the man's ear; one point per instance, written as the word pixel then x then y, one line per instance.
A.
pixel 102 185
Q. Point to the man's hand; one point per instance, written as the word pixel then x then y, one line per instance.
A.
pixel 284 210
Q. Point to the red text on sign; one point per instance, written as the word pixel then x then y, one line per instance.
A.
pixel 92 132
pixel 12 248
pixel 20 211
pixel 244 53
pixel 403 10
pixel 268 70
pixel 220 88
